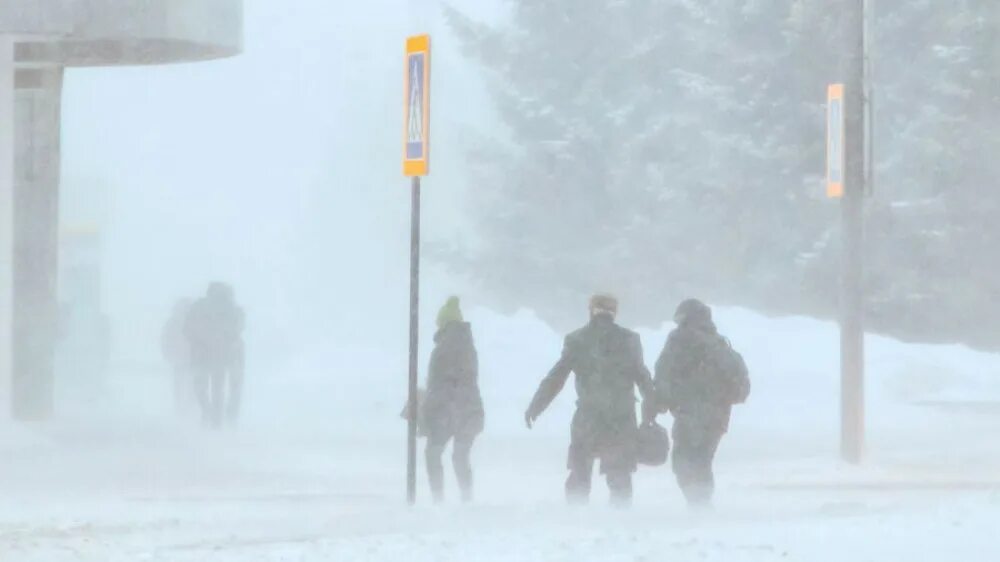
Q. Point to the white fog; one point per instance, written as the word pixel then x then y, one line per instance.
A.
pixel 647 177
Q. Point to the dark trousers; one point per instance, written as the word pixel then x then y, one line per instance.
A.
pixel 612 441
pixel 694 451
pixel 219 387
pixel 219 392
pixel 581 472
pixel 461 459
pixel 209 386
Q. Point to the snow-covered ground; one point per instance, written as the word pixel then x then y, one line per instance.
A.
pixel 316 471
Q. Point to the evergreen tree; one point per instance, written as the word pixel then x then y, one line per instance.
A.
pixel 671 148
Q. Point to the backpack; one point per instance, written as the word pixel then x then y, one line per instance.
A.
pixel 732 372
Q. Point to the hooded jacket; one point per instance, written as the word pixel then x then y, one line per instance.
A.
pixel 453 403
pixel 699 376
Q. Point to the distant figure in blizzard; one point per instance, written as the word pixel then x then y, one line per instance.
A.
pixel 452 408
pixel 177 352
pixel 214 329
pixel 699 377
pixel 608 363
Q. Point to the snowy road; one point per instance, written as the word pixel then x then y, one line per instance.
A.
pixel 316 471
pixel 233 497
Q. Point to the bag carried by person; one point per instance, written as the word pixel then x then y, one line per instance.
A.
pixel 405 413
pixel 653 445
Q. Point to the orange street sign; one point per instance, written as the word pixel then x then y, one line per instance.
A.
pixel 835 141
pixel 417 106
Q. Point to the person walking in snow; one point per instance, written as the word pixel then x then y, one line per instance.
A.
pixel 608 363
pixel 214 328
pixel 452 407
pixel 699 377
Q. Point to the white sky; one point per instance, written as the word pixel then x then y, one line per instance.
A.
pixel 277 170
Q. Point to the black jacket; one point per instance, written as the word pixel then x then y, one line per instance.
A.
pixel 453 404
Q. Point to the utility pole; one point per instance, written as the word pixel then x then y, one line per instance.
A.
pixel 852 349
pixel 869 38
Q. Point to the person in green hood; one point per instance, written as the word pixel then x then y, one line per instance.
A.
pixel 452 409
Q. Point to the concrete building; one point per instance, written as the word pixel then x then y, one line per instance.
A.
pixel 39 39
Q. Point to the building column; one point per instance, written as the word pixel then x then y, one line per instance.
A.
pixel 37 108
pixel 6 219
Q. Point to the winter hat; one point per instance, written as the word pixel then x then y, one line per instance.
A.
pixel 693 311
pixel 603 303
pixel 450 312
pixel 219 291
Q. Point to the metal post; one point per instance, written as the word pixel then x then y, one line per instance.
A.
pixel 6 221
pixel 411 451
pixel 869 51
pixel 852 290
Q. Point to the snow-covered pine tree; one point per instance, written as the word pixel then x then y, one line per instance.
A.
pixel 655 148
pixel 667 148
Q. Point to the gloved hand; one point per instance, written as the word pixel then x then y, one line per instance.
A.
pixel 529 418
pixel 649 412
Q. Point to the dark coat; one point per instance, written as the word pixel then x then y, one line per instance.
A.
pixel 608 363
pixel 453 404
pixel 214 329
pixel 699 376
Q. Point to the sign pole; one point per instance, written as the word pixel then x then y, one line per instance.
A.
pixel 411 442
pixel 416 149
pixel 852 342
